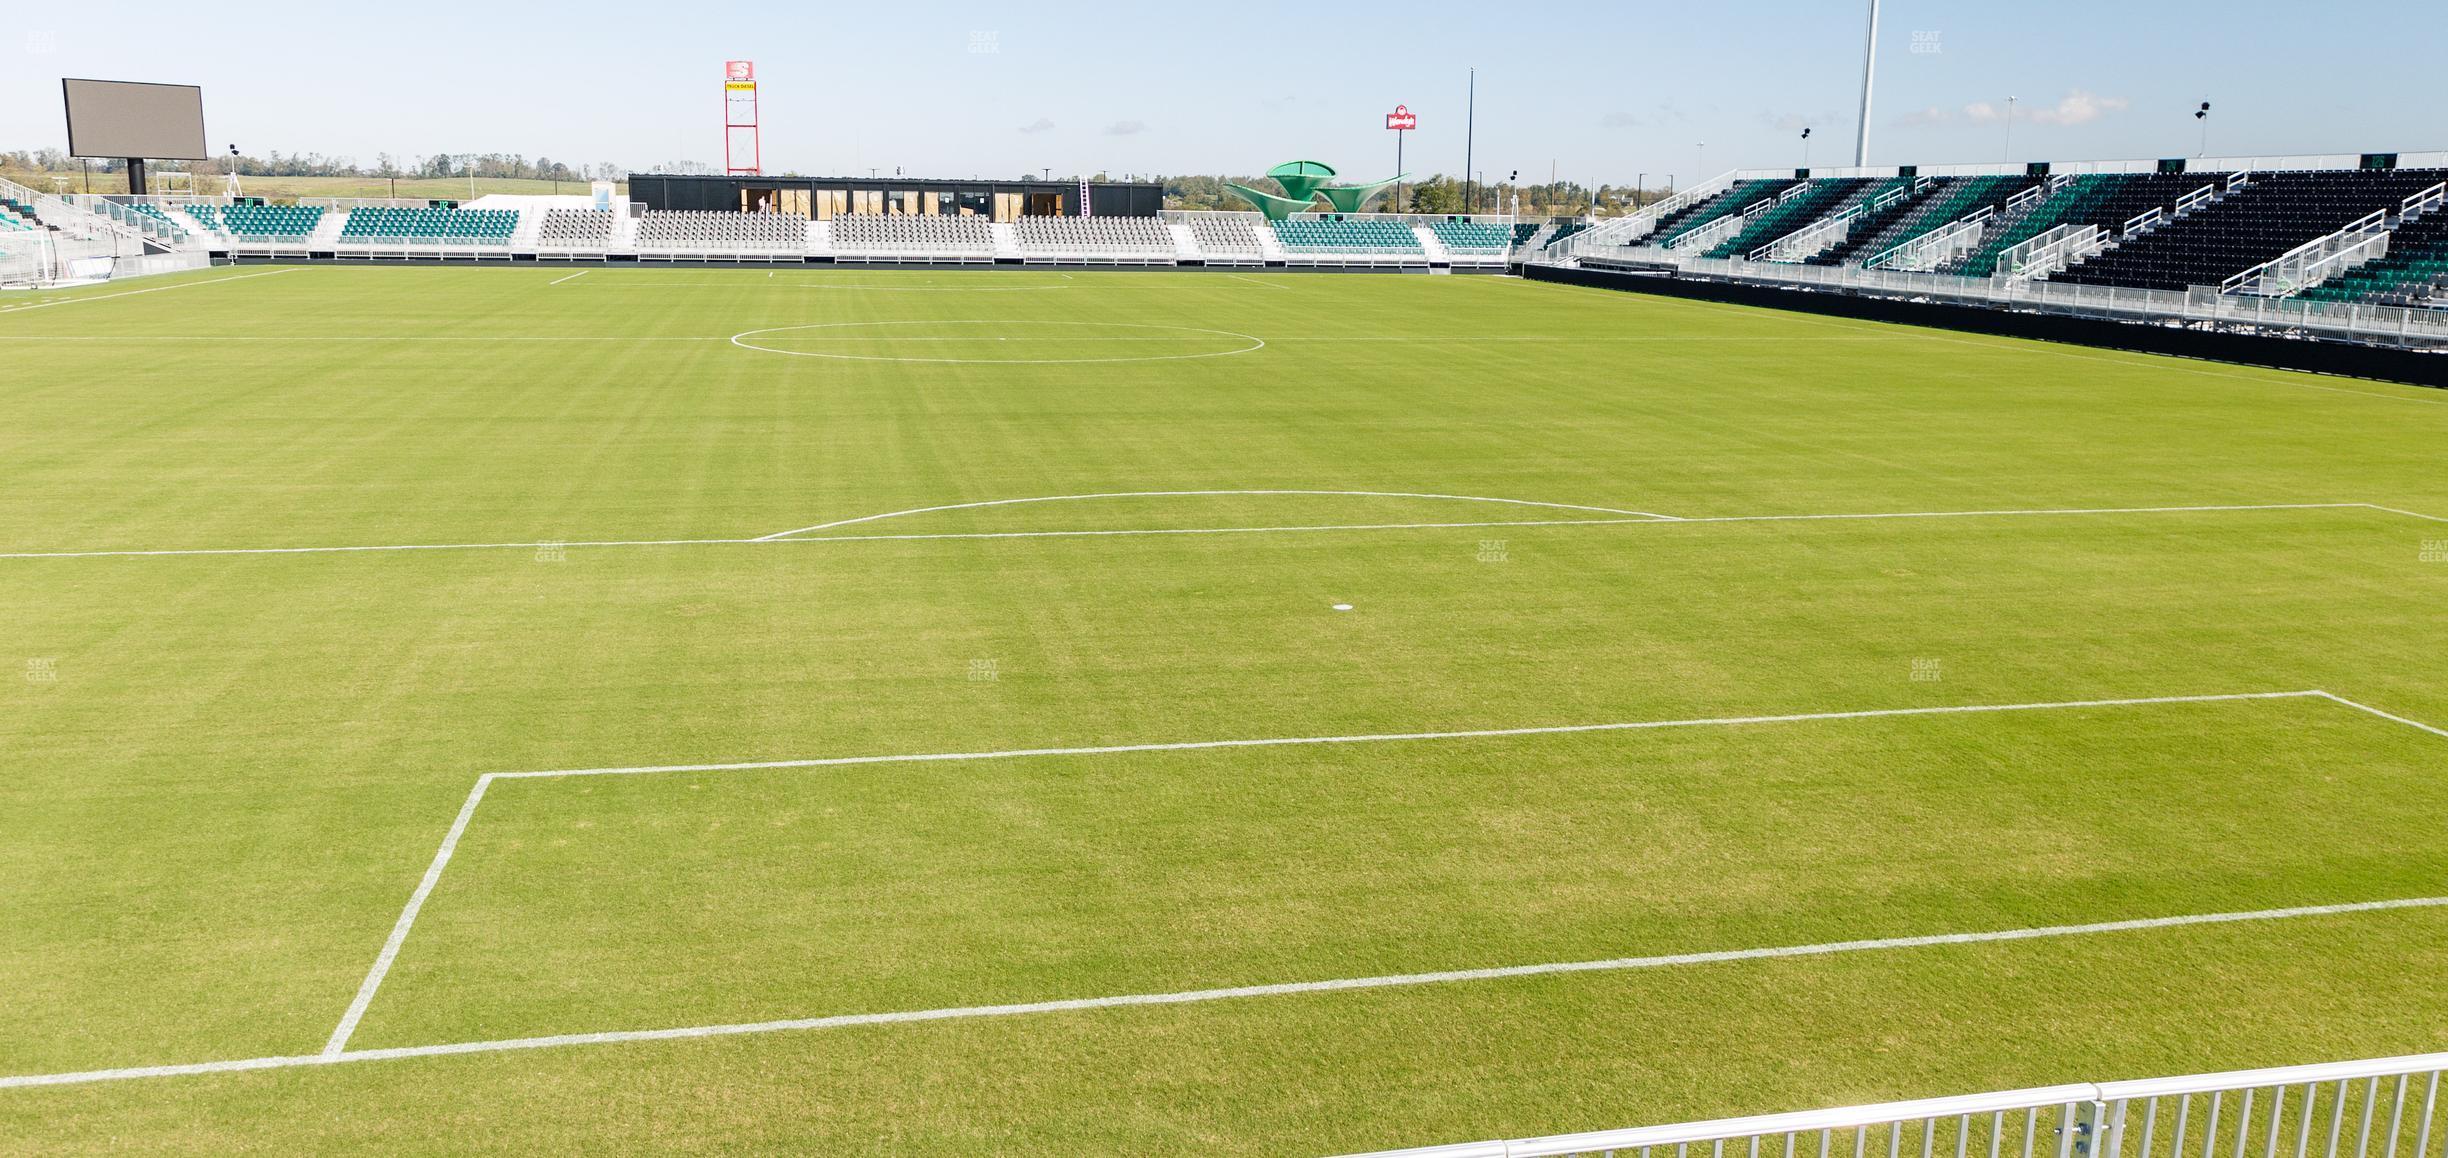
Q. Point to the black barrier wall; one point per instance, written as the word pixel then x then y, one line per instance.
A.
pixel 2323 357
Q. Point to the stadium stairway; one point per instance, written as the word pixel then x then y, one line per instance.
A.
pixel 1950 200
pixel 1818 199
pixel 1738 197
pixel 2413 273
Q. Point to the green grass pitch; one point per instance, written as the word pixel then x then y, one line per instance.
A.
pixel 230 764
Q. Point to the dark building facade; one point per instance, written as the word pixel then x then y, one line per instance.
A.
pixel 824 198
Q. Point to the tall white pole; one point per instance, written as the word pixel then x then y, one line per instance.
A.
pixel 1861 138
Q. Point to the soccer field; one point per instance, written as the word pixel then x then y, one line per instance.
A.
pixel 1022 711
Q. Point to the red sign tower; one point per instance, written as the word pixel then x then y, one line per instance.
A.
pixel 743 153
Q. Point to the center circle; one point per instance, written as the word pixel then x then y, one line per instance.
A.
pixel 1005 342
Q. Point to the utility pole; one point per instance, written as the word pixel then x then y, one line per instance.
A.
pixel 1470 126
pixel 1861 138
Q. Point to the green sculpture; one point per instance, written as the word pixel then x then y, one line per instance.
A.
pixel 1303 183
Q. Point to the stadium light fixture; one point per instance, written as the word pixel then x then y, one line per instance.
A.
pixel 2202 116
pixel 1806 146
pixel 2010 107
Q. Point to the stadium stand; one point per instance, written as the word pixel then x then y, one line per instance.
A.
pixel 576 228
pixel 1477 236
pixel 1226 234
pixel 719 232
pixel 277 222
pixel 2413 273
pixel 2274 214
pixel 1346 235
pixel 1950 199
pixel 14 218
pixel 2107 200
pixel 1741 196
pixel 1095 238
pixel 918 237
pixel 1817 200
pixel 424 225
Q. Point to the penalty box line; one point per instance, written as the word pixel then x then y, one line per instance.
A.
pixel 338 1054
pixel 400 929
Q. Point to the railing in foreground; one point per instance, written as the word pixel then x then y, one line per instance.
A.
pixel 2382 1108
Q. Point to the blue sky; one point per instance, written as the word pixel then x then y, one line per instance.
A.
pixel 1601 90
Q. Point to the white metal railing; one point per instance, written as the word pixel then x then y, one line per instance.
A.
pixel 2393 325
pixel 2188 202
pixel 1707 236
pixel 1931 249
pixel 1641 222
pixel 2381 1108
pixel 2047 252
pixel 2417 204
pixel 1818 236
pixel 2317 260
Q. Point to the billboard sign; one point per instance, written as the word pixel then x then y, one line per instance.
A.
pixel 121 118
pixel 1402 119
pixel 739 70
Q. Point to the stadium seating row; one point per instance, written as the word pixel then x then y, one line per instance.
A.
pixel 2275 213
pixel 1346 235
pixel 1113 237
pixel 913 236
pixel 575 227
pixel 461 225
pixel 260 221
pixel 710 230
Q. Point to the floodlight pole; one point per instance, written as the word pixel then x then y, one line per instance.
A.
pixel 1470 126
pixel 1861 138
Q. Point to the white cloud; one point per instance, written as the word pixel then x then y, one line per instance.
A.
pixel 2078 108
pixel 1922 118
pixel 1039 125
pixel 1619 121
pixel 1125 128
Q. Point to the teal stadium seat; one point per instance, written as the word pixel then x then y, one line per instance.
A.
pixel 480 226
pixel 1474 237
pixel 1346 235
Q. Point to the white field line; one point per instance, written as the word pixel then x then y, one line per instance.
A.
pixel 407 918
pixel 785 536
pixel 2389 716
pixel 571 277
pixel 1205 494
pixel 154 289
pixel 467 811
pixel 335 1052
pixel 1196 996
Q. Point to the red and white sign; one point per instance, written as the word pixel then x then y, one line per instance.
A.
pixel 1402 119
pixel 739 70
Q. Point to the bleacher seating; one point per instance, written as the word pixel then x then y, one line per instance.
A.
pixel 2274 214
pixel 461 226
pixel 1948 200
pixel 1819 199
pixel 14 218
pixel 916 236
pixel 1346 235
pixel 575 228
pixel 2414 272
pixel 1226 235
pixel 1523 231
pixel 2107 200
pixel 723 232
pixel 1111 238
pixel 1736 198
pixel 1475 236
pixel 278 222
